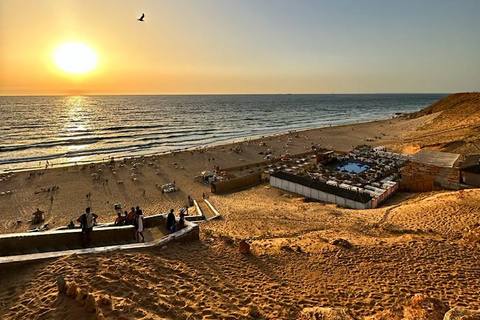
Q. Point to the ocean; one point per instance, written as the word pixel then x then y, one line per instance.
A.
pixel 81 129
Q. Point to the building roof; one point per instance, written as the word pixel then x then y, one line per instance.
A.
pixel 436 158
pixel 471 164
pixel 321 186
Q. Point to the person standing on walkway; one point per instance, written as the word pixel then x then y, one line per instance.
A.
pixel 131 216
pixel 87 220
pixel 170 220
pixel 139 225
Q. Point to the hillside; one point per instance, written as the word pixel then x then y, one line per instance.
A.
pixel 398 251
pixel 452 103
pixel 451 124
pixel 459 109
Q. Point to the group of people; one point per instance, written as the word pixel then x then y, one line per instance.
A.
pixel 174 225
pixel 89 219
pixel 134 217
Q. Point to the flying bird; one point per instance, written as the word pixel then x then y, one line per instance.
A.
pixel 141 18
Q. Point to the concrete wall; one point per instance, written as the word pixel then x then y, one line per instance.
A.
pixel 237 183
pixel 155 220
pixel 70 239
pixel 319 195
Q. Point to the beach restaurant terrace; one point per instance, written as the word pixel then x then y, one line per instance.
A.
pixel 361 179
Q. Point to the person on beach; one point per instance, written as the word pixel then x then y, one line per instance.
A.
pixel 181 222
pixel 137 212
pixel 120 220
pixel 184 211
pixel 38 216
pixel 139 225
pixel 131 216
pixel 87 220
pixel 170 220
pixel 189 202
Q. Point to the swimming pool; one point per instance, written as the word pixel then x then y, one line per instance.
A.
pixel 353 167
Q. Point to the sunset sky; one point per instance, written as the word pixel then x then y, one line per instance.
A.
pixel 242 46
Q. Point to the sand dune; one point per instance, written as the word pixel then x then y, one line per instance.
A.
pixel 209 279
pixel 453 124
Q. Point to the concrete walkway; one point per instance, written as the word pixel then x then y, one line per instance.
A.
pixel 190 232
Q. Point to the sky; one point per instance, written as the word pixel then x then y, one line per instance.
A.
pixel 243 46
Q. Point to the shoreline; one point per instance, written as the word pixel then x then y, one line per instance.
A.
pixel 188 149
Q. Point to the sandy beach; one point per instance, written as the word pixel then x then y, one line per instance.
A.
pixel 33 189
pixel 74 183
pixel 413 244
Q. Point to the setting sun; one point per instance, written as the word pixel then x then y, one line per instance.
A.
pixel 75 57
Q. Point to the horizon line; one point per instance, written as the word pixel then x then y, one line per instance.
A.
pixel 225 94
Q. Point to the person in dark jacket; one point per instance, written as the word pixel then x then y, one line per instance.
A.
pixel 87 221
pixel 170 220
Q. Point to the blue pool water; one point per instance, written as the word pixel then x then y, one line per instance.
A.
pixel 353 167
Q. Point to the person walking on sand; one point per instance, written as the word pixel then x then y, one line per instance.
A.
pixel 139 225
pixel 87 220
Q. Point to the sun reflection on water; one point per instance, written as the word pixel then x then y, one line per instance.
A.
pixel 76 129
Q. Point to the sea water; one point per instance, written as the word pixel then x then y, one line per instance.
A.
pixel 81 129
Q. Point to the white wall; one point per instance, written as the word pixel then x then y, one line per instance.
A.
pixel 323 196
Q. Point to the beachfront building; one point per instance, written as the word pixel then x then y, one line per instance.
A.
pixel 431 170
pixel 470 170
pixel 361 179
